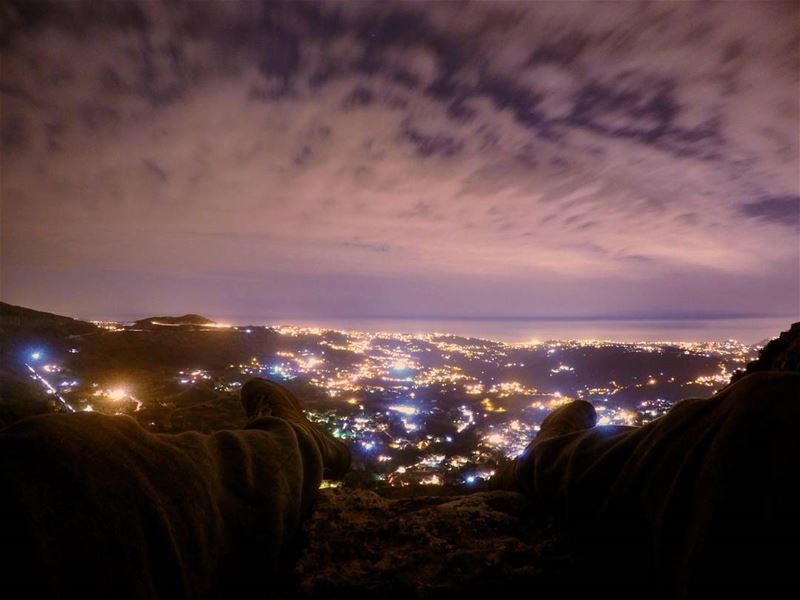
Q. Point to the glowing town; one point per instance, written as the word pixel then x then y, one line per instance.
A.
pixel 416 409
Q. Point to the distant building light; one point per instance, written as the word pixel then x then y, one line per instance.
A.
pixel 432 480
pixel 117 393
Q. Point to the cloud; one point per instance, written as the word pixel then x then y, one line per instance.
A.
pixel 504 142
pixel 777 209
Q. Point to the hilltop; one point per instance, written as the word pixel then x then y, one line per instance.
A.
pixel 184 320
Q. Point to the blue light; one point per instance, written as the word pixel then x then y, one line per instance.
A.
pixel 470 478
pixel 36 355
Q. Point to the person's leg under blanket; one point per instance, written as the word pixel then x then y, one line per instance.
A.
pixel 703 497
pixel 96 503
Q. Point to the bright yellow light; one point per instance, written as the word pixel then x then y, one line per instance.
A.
pixel 117 393
pixel 432 480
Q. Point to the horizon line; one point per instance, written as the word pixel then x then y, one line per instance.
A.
pixel 501 318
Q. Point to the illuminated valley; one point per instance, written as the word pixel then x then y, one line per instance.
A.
pixel 429 409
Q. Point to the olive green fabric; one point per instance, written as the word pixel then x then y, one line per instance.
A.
pixel 702 499
pixel 92 502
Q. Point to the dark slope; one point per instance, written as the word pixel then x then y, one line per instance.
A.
pixel 23 331
pixel 16 320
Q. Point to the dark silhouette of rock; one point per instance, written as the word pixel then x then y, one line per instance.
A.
pixel 779 354
pixel 360 544
pixel 34 323
pixel 20 398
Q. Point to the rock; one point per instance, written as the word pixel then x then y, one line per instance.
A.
pixel 360 544
pixel 780 354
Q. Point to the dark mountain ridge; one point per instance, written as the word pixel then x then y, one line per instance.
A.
pixel 165 321
pixel 15 319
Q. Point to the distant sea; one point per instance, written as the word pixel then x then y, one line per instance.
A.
pixel 747 330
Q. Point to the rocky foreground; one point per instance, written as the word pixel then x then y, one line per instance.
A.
pixel 360 544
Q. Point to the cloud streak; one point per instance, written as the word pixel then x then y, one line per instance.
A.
pixel 522 146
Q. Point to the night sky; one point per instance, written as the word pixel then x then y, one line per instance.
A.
pixel 403 159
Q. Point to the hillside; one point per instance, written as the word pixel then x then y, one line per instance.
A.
pixel 164 321
pixel 15 320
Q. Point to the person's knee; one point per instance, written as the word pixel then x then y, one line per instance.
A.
pixel 767 384
pixel 574 416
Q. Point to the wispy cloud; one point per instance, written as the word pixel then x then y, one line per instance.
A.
pixel 522 145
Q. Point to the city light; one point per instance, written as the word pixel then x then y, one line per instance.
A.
pixel 492 393
pixel 117 393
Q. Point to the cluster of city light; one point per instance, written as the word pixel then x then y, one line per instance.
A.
pixel 396 371
pixel 510 438
pixel 505 389
pixel 616 416
pixel 394 386
pixel 652 409
pixel 117 394
pixel 109 325
pixel 193 376
pixel 718 379
pixel 49 388
pixel 490 406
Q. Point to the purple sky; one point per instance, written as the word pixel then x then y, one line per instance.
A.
pixel 495 159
